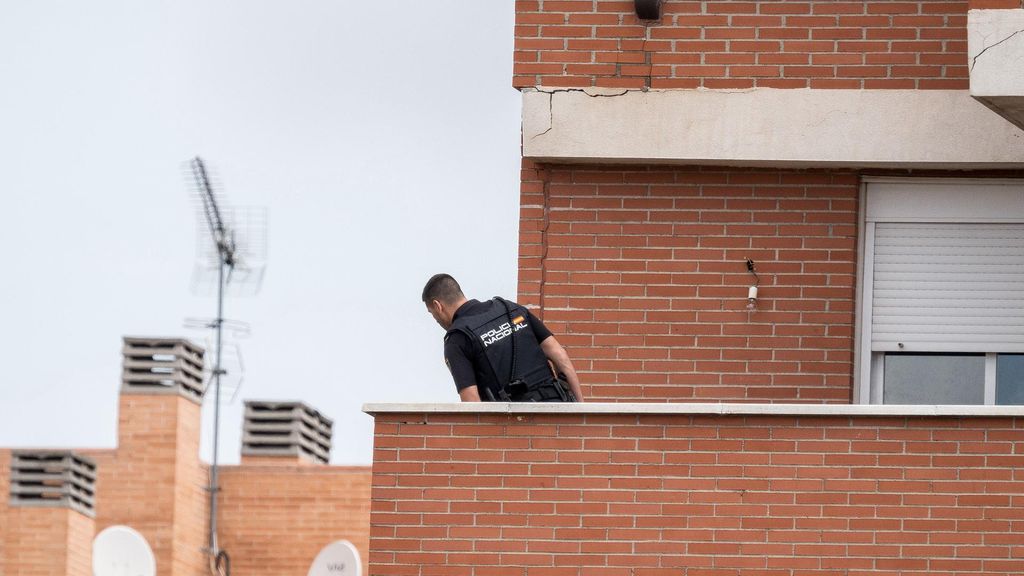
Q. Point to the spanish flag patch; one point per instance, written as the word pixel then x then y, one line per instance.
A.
pixel 518 320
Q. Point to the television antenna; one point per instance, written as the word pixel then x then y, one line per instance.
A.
pixel 233 245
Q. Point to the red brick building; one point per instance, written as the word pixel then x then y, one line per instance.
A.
pixel 863 418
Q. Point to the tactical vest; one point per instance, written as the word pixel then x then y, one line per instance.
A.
pixel 508 354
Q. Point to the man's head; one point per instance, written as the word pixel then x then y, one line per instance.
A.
pixel 443 296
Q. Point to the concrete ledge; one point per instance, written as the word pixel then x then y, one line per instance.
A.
pixel 936 129
pixel 995 50
pixel 694 408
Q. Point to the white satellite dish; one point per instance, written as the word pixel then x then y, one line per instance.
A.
pixel 337 559
pixel 121 551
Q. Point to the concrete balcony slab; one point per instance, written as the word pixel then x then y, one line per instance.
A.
pixel 995 49
pixel 804 128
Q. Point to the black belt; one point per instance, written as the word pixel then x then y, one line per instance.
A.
pixel 553 390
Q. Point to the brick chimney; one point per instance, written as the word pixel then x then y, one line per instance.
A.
pixel 155 481
pixel 51 514
pixel 285 433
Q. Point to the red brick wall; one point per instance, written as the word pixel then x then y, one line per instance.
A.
pixel 275 519
pixel 276 515
pixel 744 43
pixel 154 482
pixel 78 547
pixel 288 461
pixel 696 495
pixel 191 498
pixel 641 273
pixel 46 542
pixel 5 494
pixel 995 4
pixel 41 541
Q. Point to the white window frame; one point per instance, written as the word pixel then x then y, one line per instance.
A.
pixel 903 200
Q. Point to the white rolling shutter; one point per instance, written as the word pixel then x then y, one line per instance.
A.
pixel 948 287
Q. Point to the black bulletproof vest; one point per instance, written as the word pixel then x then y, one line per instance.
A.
pixel 493 331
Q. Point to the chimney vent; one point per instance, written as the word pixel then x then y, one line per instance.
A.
pixel 53 478
pixel 286 429
pixel 162 366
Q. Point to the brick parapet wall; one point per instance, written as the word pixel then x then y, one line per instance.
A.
pixel 735 44
pixel 275 519
pixel 696 495
pixel 640 272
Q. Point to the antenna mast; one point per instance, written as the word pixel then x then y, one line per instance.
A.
pixel 229 255
pixel 226 256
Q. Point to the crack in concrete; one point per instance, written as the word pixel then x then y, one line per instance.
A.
pixel 552 91
pixel 551 97
pixel 551 115
pixel 828 116
pixel 583 90
pixel 974 60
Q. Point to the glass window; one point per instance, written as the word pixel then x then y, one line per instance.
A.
pixel 941 292
pixel 934 378
pixel 1010 379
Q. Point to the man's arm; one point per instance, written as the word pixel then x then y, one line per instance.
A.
pixel 456 356
pixel 469 394
pixel 560 358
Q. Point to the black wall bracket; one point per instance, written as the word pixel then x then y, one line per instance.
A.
pixel 648 9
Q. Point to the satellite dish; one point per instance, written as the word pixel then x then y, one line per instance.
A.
pixel 337 559
pixel 121 551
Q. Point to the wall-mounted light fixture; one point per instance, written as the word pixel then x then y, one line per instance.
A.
pixel 752 291
pixel 648 9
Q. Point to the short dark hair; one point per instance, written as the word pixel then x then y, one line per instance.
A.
pixel 442 287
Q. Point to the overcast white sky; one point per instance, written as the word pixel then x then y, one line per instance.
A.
pixel 382 137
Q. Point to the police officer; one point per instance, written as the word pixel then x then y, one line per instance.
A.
pixel 497 350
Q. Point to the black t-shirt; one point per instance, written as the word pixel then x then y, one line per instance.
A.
pixel 459 350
